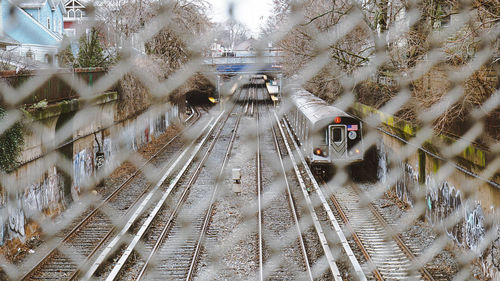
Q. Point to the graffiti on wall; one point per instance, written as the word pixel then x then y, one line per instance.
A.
pixel 407 184
pixel 43 195
pixel 47 194
pixel 136 134
pixel 83 169
pixel 443 200
pixel 382 162
pixel 474 226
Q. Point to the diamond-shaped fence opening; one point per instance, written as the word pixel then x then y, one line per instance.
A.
pixel 353 140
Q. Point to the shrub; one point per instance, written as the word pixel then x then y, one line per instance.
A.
pixel 11 144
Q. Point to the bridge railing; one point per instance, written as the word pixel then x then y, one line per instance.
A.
pixel 243 60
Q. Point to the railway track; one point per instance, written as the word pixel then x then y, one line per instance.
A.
pixel 386 259
pixel 391 258
pixel 169 252
pixel 167 223
pixel 93 226
pixel 339 258
pixel 279 216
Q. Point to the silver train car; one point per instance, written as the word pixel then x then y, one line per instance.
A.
pixel 326 134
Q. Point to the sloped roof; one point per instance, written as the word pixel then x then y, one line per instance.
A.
pixel 83 3
pixel 27 4
pixel 14 32
pixel 31 3
pixel 245 45
pixel 6 39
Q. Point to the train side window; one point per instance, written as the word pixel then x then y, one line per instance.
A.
pixel 337 134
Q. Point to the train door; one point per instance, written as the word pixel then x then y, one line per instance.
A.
pixel 337 142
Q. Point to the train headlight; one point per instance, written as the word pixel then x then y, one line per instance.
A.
pixel 352 135
pixel 318 152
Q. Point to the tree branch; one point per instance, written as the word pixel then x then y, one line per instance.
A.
pixel 350 53
pixel 317 17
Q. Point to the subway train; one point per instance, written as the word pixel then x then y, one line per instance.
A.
pixel 327 135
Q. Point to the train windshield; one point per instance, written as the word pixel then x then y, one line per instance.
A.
pixel 337 135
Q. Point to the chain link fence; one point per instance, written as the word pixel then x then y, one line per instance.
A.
pixel 422 76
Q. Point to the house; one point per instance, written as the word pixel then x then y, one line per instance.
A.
pixel 247 45
pixel 32 28
pixel 76 13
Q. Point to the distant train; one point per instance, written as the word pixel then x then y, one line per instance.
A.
pixel 327 135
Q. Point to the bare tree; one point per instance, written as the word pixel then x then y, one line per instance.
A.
pixel 373 35
pixel 11 61
pixel 231 33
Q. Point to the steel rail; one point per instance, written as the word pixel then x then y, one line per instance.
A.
pixel 292 204
pixel 254 94
pixel 247 102
pixel 336 226
pixel 355 236
pixel 136 238
pixel 210 210
pixel 259 197
pixel 139 209
pixel 90 215
pixel 174 213
pixel 75 274
pixel 397 238
pixel 317 226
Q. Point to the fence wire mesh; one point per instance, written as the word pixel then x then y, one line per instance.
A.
pixel 422 76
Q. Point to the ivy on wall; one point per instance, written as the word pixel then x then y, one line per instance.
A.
pixel 11 144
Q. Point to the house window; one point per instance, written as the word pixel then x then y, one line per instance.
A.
pixel 71 14
pixel 29 54
pixel 78 14
pixel 48 23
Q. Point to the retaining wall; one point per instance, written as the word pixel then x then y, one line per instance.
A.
pixel 462 193
pixel 55 176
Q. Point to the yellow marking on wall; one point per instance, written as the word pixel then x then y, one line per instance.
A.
pixel 471 153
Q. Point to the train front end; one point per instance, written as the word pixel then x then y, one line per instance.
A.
pixel 338 139
pixel 345 142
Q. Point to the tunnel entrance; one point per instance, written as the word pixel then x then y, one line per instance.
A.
pixel 199 98
pixel 366 170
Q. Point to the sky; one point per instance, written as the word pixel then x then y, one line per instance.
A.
pixel 252 13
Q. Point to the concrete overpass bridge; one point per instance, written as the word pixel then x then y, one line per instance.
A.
pixel 229 64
